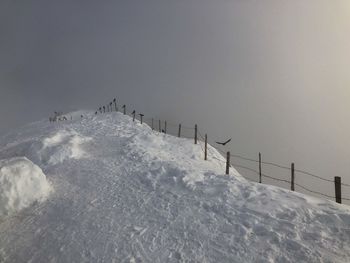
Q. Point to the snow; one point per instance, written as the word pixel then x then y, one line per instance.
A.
pixel 21 184
pixel 125 193
pixel 63 145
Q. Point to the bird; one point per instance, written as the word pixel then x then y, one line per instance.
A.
pixel 224 143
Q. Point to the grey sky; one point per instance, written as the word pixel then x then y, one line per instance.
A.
pixel 273 74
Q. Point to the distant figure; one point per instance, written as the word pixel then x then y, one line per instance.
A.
pixel 100 109
pixel 95 112
pixel 64 118
pixel 224 143
pixel 163 131
pixel 81 116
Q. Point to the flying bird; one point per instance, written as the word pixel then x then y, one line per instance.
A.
pixel 224 143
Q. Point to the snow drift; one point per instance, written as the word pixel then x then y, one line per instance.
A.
pixel 125 193
pixel 21 184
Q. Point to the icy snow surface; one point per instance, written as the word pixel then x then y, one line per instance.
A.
pixel 21 184
pixel 123 193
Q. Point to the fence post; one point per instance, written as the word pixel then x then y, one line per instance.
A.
pixel 337 184
pixel 133 115
pixel 152 125
pixel 160 126
pixel 124 107
pixel 260 168
pixel 115 104
pixel 179 133
pixel 165 127
pixel 141 116
pixel 206 147
pixel 195 133
pixel 292 178
pixel 228 163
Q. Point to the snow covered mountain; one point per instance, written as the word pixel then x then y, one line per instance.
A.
pixel 106 189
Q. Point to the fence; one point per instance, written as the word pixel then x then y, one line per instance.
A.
pixel 183 131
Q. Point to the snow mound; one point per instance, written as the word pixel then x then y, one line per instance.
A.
pixel 61 146
pixel 50 149
pixel 21 184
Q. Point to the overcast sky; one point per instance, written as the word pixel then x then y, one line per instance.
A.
pixel 271 74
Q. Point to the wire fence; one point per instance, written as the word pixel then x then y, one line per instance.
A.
pixel 192 132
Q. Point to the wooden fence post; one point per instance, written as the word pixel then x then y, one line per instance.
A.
pixel 133 115
pixel 179 132
pixel 195 133
pixel 115 104
pixel 228 163
pixel 206 147
pixel 165 127
pixel 152 125
pixel 260 168
pixel 292 178
pixel 141 116
pixel 124 107
pixel 160 126
pixel 337 184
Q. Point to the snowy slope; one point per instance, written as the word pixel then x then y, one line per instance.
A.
pixel 123 193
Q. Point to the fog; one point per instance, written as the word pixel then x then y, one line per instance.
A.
pixel 271 74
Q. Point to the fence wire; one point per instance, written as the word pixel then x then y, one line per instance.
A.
pixel 314 192
pixel 200 135
pixel 283 167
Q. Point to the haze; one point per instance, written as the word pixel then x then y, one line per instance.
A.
pixel 271 74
